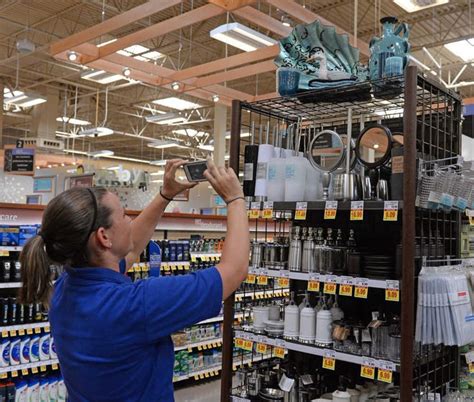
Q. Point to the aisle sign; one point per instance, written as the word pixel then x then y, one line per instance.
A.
pixel 313 286
pixel 357 211
pixel 262 280
pixel 254 212
pixel 250 278
pixel 279 352
pixel 262 348
pixel 384 375
pixel 267 212
pixel 390 211
pixel 329 360
pixel 300 212
pixel 330 210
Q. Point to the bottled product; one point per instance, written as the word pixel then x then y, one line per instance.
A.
pixel 5 352
pixel 25 349
pixel 53 389
pixel 35 348
pixel 44 347
pixel 62 391
pixel 295 178
pixel 15 351
pixel 33 390
pixel 44 390
pixel 52 349
pixel 21 391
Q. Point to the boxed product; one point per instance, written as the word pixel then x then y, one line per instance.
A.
pixel 26 233
pixel 9 236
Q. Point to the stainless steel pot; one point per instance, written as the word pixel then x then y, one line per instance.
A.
pixel 347 187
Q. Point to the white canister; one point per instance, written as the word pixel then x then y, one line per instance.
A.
pixel 314 187
pixel 276 179
pixel 295 178
pixel 355 394
pixel 260 315
pixel 292 322
pixel 274 312
pixel 341 396
pixel 324 327
pixel 307 325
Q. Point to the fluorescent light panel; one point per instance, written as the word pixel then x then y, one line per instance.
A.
pixel 190 132
pixel 412 6
pixel 176 103
pixel 463 49
pixel 101 76
pixel 206 147
pixel 103 152
pixel 95 132
pixel 242 37
pixel 72 120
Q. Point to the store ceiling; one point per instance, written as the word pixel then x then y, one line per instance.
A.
pixel 184 45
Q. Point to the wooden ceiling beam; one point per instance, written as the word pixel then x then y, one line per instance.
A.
pixel 303 14
pixel 162 28
pixel 263 20
pixel 111 24
pixel 231 5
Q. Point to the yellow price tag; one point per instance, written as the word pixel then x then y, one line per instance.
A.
pixel 313 286
pixel 357 215
pixel 4 253
pixel 384 376
pixel 14 373
pixel 471 367
pixel 34 370
pixel 3 375
pixel 46 329
pixel 329 363
pixel 361 292
pixel 300 212
pixel 239 343
pixel 193 258
pixel 37 330
pixel 392 295
pixel 4 334
pixel 21 332
pixel 471 220
pixel 279 352
pixel 43 368
pixel 13 333
pixel 251 278
pixel 330 288
pixel 330 210
pixel 29 331
pixel 262 280
pixel 196 377
pixel 262 348
pixel 248 345
pixel 345 290
pixel 201 376
pixel 283 282
pixel 24 371
pixel 367 372
pixel 267 214
pixel 206 375
pixel 254 214
pixel 390 212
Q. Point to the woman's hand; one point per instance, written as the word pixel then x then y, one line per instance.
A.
pixel 224 181
pixel 171 186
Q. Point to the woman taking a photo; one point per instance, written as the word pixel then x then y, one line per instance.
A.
pixel 112 336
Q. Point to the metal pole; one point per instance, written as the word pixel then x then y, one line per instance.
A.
pixel 408 235
pixel 227 335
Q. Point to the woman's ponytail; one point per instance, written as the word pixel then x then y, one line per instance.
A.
pixel 35 272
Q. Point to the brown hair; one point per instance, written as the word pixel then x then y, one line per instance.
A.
pixel 68 221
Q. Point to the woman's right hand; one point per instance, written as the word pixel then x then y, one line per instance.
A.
pixel 224 181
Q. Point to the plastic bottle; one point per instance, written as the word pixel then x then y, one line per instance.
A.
pixel 33 390
pixel 52 349
pixel 62 391
pixel 276 178
pixel 21 390
pixel 5 352
pixel 15 351
pixel 25 349
pixel 44 347
pixel 35 348
pixel 44 390
pixel 10 392
pixel 295 178
pixel 313 187
pixel 53 389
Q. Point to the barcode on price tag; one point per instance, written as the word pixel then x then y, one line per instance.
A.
pixel 330 210
pixel 267 212
pixel 357 211
pixel 390 211
pixel 300 212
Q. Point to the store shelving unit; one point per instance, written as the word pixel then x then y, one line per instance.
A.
pixel 429 116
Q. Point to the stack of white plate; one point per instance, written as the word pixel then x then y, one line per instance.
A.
pixel 274 328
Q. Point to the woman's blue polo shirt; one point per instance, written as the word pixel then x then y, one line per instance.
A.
pixel 113 336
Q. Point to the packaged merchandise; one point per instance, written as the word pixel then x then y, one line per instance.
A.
pixel 44 347
pixel 35 348
pixel 25 349
pixel 44 390
pixel 5 352
pixel 52 349
pixel 15 351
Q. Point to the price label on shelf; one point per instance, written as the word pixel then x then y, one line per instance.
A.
pixel 471 368
pixel 251 278
pixel 283 282
pixel 329 360
pixel 267 212
pixel 4 334
pixel 390 211
pixel 14 373
pixel 313 286
pixel 12 332
pixel 193 258
pixel 29 331
pixel 384 375
pixel 392 295
pixel 34 370
pixel 24 371
pixel 37 330
pixel 471 220
pixel 239 343
pixel 262 280
pixel 3 375
pixel 357 211
pixel 330 210
pixel 367 372
pixel 262 348
pixel 247 345
pixel 4 253
pixel 345 289
pixel 300 212
pixel 279 352
pixel 254 212
pixel 330 288
pixel 361 292
pixel 21 332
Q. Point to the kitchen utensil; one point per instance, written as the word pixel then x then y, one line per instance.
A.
pixel 250 165
pixel 296 250
pixel 292 320
pixel 256 252
pixel 382 190
pixel 324 328
pixel 307 324
pixel 308 261
pixel 260 315
pixel 271 395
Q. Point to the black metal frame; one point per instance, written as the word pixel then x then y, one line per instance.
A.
pixel 430 118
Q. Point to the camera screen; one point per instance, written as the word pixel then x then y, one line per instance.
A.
pixel 197 170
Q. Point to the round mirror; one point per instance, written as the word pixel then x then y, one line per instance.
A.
pixel 326 151
pixel 374 146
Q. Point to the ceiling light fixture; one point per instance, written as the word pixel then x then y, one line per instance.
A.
pixel 242 37
pixel 163 144
pixel 101 76
pixel 215 98
pixel 191 132
pixel 103 152
pixel 72 55
pixel 416 5
pixel 160 173
pixel 95 132
pixel 165 119
pixel 27 99
pixel 464 49
pixel 175 86
pixel 72 120
pixel 176 103
pixel 206 147
pixel 126 72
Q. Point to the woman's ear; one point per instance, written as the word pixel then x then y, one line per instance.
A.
pixel 103 238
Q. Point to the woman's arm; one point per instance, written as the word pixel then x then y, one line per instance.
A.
pixel 143 226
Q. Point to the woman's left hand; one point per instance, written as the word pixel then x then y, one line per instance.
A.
pixel 172 186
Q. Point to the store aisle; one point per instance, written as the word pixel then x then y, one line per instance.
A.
pixel 208 392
